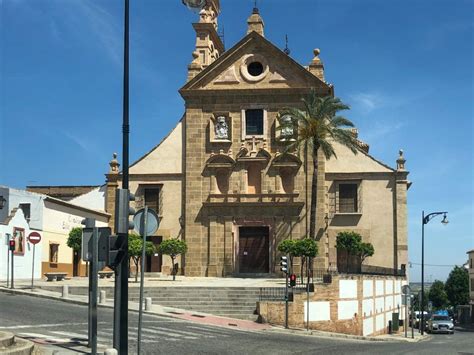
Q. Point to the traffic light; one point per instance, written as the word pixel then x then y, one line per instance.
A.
pixel 11 244
pixel 123 211
pixel 284 264
pixel 292 280
pixel 115 252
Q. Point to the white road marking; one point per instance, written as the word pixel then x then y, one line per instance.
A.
pixel 73 335
pixel 219 330
pixel 45 337
pixel 176 331
pixel 45 325
pixel 169 334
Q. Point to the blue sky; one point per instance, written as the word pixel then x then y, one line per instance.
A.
pixel 405 67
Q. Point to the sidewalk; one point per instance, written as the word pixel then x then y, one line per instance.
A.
pixel 399 337
pixel 23 287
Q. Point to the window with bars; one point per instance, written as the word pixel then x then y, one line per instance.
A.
pixel 153 199
pixel 348 201
pixel 254 122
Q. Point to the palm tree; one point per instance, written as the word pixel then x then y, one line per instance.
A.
pixel 317 126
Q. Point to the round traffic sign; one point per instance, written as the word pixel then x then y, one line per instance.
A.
pixel 152 222
pixel 34 237
pixel 406 289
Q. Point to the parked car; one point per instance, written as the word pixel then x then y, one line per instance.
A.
pixel 417 318
pixel 440 324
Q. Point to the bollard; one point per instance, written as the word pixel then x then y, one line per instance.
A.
pixel 148 303
pixel 102 297
pixel 110 352
pixel 65 291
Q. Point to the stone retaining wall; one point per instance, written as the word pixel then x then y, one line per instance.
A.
pixel 351 304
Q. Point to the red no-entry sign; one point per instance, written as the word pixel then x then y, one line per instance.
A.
pixel 34 237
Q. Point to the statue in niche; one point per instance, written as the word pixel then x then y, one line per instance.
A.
pixel 221 128
pixel 287 131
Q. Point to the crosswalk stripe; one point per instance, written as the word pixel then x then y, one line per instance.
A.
pixel 183 332
pixel 220 331
pixel 72 335
pixel 44 325
pixel 45 337
pixel 167 332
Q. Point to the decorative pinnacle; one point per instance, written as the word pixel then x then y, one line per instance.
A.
pixel 316 52
pixel 401 160
pixel 114 164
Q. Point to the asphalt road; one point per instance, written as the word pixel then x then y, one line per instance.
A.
pixel 59 325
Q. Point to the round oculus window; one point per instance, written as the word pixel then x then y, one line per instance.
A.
pixel 255 68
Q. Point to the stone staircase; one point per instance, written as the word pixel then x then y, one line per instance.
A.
pixel 233 302
pixel 11 345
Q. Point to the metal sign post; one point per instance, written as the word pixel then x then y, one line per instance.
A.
pixel 86 255
pixel 11 246
pixel 142 276
pixel 412 318
pixel 33 268
pixel 406 315
pixel 8 259
pixel 307 295
pixel 286 293
pixel 147 222
pixel 34 238
pixel 93 294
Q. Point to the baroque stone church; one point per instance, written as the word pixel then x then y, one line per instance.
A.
pixel 223 181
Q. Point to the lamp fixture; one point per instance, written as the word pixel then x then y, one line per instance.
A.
pixel 445 220
pixel 194 5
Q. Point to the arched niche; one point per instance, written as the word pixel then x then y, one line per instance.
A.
pixel 220 168
pixel 286 165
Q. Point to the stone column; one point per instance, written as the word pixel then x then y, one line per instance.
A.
pixel 111 186
pixel 212 247
pixel 278 183
pixel 321 261
pixel 228 247
pixel 402 185
pixel 214 189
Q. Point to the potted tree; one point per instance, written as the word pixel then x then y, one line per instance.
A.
pixel 74 241
pixel 351 251
pixel 135 246
pixel 173 248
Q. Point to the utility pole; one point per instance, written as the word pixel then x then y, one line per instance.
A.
pixel 121 272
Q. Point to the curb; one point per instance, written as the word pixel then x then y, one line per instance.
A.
pixel 276 329
pixel 178 313
pixel 302 332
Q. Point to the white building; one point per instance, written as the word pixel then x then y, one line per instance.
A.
pixel 25 211
pixel 16 227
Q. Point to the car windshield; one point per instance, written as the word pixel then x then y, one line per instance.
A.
pixel 441 318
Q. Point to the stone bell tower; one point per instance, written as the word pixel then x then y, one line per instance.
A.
pixel 209 46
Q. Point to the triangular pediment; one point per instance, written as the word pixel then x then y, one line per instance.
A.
pixel 231 70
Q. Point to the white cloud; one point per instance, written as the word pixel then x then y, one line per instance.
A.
pixel 366 102
pixel 85 144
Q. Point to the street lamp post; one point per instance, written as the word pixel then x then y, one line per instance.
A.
pixel 425 220
pixel 120 337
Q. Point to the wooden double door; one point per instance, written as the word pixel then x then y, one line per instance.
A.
pixel 154 261
pixel 254 250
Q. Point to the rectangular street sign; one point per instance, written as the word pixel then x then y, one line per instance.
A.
pixel 103 243
pixel 86 247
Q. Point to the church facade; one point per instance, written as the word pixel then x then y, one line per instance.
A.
pixel 223 181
